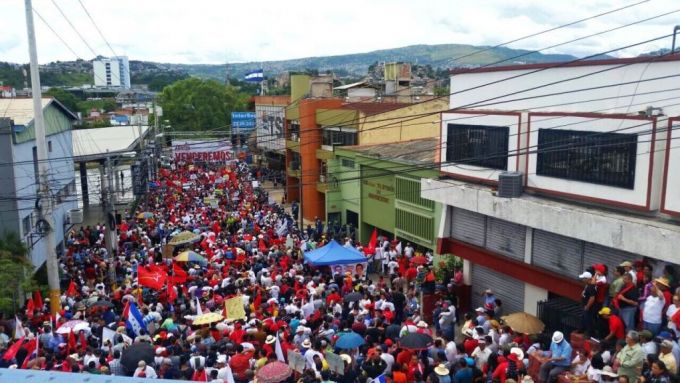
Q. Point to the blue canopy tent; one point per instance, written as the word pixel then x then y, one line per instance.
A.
pixel 334 254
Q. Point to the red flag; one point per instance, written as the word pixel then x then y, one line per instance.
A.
pixel 72 289
pixel 37 299
pixel 172 294
pixel 72 345
pixel 32 352
pixel 261 246
pixel 126 309
pixel 179 275
pixel 372 243
pixel 258 300
pixel 13 349
pixel 83 340
pixel 29 308
pixel 152 279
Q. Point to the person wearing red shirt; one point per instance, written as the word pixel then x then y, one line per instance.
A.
pixel 469 344
pixel 617 330
pixel 240 363
pixel 404 357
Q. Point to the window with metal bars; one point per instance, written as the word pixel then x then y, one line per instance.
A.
pixel 480 145
pixel 587 156
pixel 409 190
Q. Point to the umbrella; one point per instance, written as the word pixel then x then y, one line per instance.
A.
pixel 349 340
pixel 145 215
pixel 415 341
pixel 75 325
pixel 273 372
pixel 207 318
pixel 101 304
pixel 420 260
pixel 184 237
pixel 136 352
pixel 353 297
pixel 524 323
pixel 190 256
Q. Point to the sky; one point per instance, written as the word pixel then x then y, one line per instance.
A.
pixel 219 31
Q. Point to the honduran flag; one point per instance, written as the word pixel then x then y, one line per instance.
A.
pixel 379 379
pixel 135 320
pixel 255 76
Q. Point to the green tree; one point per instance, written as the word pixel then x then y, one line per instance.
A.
pixel 16 272
pixel 67 99
pixel 105 104
pixel 197 105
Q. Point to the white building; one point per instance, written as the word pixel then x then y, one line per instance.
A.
pixel 113 72
pixel 19 173
pixel 601 178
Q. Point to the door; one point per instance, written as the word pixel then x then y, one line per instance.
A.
pixel 509 290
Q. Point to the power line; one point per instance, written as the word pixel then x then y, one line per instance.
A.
pixel 74 28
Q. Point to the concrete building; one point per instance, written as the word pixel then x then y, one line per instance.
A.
pixel 18 210
pixel 593 141
pixel 378 186
pixel 112 72
pixel 270 118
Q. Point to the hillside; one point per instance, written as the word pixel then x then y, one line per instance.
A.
pixel 442 56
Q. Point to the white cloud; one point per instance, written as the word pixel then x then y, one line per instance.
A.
pixel 215 31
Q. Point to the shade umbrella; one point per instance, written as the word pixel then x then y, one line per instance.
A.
pixel 524 323
pixel 420 260
pixel 100 305
pixel 353 297
pixel 145 215
pixel 349 340
pixel 136 352
pixel 273 372
pixel 73 325
pixel 190 256
pixel 207 319
pixel 415 341
pixel 183 238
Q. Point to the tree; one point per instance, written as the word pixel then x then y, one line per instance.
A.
pixel 16 272
pixel 194 104
pixel 67 99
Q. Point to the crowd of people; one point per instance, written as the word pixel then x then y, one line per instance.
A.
pixel 117 308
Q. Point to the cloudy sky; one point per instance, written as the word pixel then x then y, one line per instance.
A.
pixel 218 31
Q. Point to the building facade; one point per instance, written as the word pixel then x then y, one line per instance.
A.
pixel 593 143
pixel 18 211
pixel 270 118
pixel 113 72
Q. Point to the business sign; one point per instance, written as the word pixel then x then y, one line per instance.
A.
pixel 270 121
pixel 242 122
pixel 205 151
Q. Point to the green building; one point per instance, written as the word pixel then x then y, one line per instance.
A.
pixel 378 186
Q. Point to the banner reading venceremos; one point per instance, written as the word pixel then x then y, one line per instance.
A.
pixel 200 150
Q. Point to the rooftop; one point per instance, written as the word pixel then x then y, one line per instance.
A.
pixel 420 151
pixel 94 143
pixel 20 110
pixel 372 108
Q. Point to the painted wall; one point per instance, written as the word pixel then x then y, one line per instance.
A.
pixel 401 125
pixel 347 196
pixel 377 198
pixel 671 193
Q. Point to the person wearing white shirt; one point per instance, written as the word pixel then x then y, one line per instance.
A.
pixel 308 309
pixel 408 251
pixel 389 361
pixel 652 312
pixel 144 371
pixel 672 309
pixel 481 354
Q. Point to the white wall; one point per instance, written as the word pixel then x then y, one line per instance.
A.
pixel 672 195
pixel 533 295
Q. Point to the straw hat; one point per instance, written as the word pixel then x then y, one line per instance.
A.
pixel 346 358
pixel 270 339
pixel 663 281
pixel 441 370
pixel 307 343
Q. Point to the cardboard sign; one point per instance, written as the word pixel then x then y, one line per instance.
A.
pixel 235 308
pixel 296 361
pixel 335 363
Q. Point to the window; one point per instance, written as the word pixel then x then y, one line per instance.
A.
pixel 408 190
pixel 49 146
pixel 479 145
pixel 593 157
pixel 294 131
pixel 338 137
pixel 35 163
pixel 347 163
pixel 27 224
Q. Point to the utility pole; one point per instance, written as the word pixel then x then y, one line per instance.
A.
pixel 43 166
pixel 110 238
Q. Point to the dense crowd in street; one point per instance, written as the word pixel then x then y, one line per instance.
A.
pixel 205 236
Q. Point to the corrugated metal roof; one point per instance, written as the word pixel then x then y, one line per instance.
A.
pixel 419 151
pixel 21 109
pixel 94 142
pixel 352 85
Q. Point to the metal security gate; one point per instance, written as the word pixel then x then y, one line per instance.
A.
pixel 558 253
pixel 509 290
pixel 468 226
pixel 506 238
pixel 611 257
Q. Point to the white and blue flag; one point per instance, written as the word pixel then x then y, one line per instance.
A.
pixel 379 379
pixel 135 320
pixel 255 76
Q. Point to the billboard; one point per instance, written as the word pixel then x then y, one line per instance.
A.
pixel 242 122
pixel 206 151
pixel 269 120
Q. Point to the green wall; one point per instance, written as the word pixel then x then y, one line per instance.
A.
pixel 55 122
pixel 377 198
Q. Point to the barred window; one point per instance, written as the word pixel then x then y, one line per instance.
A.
pixel 479 145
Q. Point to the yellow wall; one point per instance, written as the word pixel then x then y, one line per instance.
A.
pixel 400 125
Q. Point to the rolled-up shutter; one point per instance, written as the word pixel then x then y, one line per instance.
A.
pixel 468 226
pixel 509 290
pixel 558 253
pixel 506 238
pixel 593 253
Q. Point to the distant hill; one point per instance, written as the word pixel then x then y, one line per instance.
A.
pixel 441 56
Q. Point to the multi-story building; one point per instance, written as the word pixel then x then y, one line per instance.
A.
pixel 112 72
pixel 270 118
pixel 19 187
pixel 593 141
